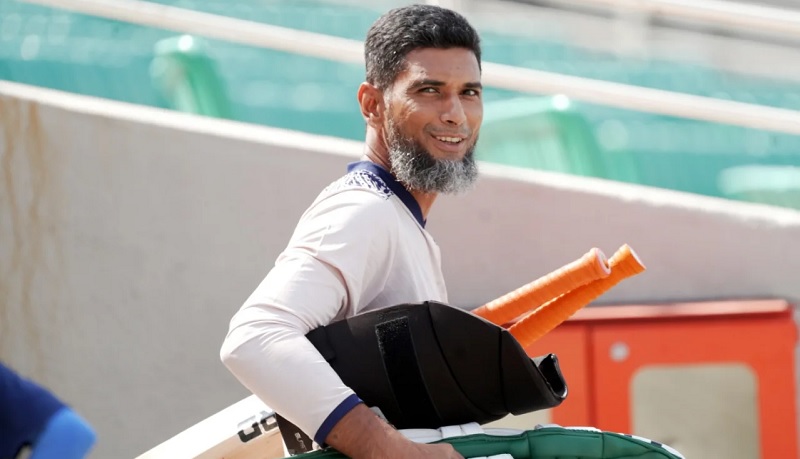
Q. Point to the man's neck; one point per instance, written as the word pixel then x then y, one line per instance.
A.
pixel 425 201
pixel 380 157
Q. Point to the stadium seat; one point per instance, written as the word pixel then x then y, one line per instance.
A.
pixel 775 185
pixel 540 133
pixel 188 78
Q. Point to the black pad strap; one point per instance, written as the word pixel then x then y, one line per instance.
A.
pixel 405 376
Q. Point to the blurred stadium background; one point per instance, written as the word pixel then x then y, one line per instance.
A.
pixel 603 40
pixel 727 51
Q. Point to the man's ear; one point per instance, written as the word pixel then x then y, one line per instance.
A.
pixel 370 99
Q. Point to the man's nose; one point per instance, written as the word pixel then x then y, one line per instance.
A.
pixel 453 112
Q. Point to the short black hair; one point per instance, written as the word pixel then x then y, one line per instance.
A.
pixel 402 30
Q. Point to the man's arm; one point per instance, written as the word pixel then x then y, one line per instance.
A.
pixel 361 434
pixel 266 348
pixel 335 264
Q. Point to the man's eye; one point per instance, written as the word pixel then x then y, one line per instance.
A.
pixel 471 92
pixel 428 90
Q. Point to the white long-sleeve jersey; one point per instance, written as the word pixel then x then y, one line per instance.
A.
pixel 360 246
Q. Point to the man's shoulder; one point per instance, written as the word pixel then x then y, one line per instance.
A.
pixel 358 198
pixel 359 180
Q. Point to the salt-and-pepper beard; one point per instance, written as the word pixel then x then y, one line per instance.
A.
pixel 418 170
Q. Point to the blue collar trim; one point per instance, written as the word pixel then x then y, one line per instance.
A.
pixel 396 187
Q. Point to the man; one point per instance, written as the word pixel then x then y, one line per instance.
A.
pixel 362 244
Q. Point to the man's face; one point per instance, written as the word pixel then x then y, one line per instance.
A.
pixel 433 114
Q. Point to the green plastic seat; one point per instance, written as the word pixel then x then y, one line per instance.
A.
pixel 545 133
pixel 774 185
pixel 188 78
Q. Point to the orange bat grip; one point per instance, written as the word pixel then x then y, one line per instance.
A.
pixel 592 266
pixel 624 264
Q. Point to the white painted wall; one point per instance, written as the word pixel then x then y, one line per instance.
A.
pixel 130 235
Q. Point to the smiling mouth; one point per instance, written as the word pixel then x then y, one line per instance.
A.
pixel 449 140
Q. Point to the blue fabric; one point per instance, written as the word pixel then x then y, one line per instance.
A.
pixel 338 413
pixel 67 436
pixel 396 187
pixel 25 410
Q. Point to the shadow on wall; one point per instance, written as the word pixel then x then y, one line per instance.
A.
pixel 29 231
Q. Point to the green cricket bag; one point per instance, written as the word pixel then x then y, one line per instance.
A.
pixel 543 442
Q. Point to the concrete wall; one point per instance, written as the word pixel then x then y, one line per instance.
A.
pixel 129 236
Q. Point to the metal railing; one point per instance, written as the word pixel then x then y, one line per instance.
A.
pixel 495 75
pixel 742 16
